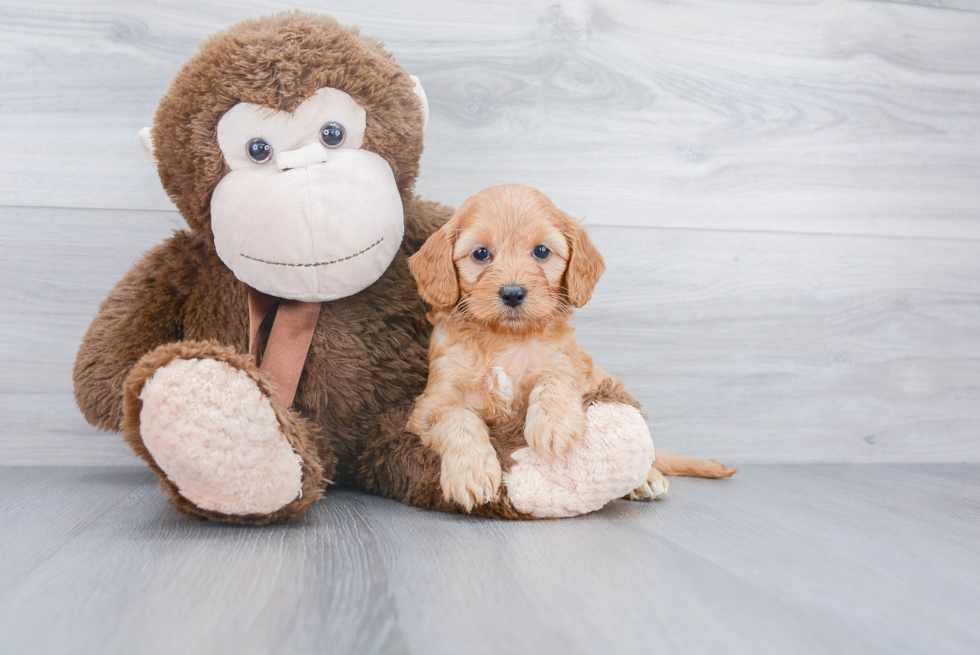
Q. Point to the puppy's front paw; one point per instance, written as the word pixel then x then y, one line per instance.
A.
pixel 655 487
pixel 471 476
pixel 552 428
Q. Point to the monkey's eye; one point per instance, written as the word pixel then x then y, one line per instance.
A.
pixel 481 254
pixel 541 252
pixel 259 150
pixel 332 134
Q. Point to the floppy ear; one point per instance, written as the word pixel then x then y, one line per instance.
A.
pixel 585 265
pixel 434 270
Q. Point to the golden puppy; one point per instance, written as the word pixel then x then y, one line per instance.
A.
pixel 503 276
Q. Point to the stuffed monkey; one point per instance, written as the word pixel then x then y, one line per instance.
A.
pixel 274 347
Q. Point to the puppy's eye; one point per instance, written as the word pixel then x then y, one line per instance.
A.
pixel 541 252
pixel 258 150
pixel 481 254
pixel 332 134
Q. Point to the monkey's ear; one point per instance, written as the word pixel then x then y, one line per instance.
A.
pixel 585 264
pixel 146 140
pixel 434 269
pixel 420 92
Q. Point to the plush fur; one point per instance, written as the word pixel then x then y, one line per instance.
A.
pixel 179 302
pixel 317 465
pixel 278 62
pixel 597 469
pixel 195 415
pixel 368 355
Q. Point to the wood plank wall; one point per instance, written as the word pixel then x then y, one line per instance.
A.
pixel 787 195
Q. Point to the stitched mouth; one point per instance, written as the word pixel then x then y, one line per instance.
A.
pixel 332 261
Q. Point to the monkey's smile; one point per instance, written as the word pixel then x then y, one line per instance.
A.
pixel 327 263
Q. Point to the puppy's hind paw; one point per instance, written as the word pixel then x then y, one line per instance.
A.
pixel 655 487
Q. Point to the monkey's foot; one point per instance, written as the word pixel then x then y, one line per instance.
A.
pixel 226 453
pixel 613 458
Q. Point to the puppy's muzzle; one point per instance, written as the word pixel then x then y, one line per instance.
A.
pixel 513 294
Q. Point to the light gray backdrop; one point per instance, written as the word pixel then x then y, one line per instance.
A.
pixel 786 194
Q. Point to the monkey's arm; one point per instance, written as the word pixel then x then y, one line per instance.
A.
pixel 143 311
pixel 422 218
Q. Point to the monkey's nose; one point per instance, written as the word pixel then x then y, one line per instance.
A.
pixel 513 294
pixel 305 156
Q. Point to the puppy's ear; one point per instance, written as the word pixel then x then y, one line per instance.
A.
pixel 434 270
pixel 585 264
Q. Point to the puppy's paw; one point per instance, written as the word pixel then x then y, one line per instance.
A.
pixel 470 477
pixel 552 428
pixel 655 487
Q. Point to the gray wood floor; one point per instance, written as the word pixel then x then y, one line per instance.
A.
pixel 779 559
pixel 787 197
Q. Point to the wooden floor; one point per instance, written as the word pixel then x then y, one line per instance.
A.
pixel 787 195
pixel 779 559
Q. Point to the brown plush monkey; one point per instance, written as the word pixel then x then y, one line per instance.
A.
pixel 275 346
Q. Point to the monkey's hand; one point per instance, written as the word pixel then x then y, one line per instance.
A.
pixel 142 312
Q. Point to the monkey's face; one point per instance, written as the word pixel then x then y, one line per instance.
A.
pixel 305 213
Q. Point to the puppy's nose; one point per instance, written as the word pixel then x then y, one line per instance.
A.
pixel 513 294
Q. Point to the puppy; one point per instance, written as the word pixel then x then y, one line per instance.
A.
pixel 503 277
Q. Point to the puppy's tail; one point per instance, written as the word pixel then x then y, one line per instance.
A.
pixel 671 464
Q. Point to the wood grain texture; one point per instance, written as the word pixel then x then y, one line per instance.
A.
pixel 814 116
pixel 794 348
pixel 747 346
pixel 801 559
pixel 956 5
pixel 787 198
pixel 786 194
